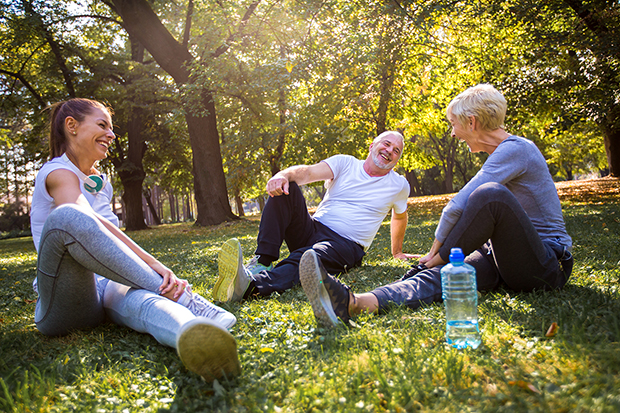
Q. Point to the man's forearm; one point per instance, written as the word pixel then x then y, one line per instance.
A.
pixel 297 173
pixel 398 226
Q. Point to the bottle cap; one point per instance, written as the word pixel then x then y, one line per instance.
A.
pixel 456 255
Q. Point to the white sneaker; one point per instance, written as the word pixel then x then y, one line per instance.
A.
pixel 208 350
pixel 200 307
pixel 233 278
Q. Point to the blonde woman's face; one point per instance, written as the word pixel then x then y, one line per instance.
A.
pixel 465 133
pixel 458 130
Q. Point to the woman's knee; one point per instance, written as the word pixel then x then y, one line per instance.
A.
pixel 66 224
pixel 69 215
pixel 490 191
pixel 71 218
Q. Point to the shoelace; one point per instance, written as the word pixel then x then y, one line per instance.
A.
pixel 335 284
pixel 202 307
pixel 253 264
pixel 341 302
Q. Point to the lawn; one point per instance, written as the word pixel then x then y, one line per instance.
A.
pixel 396 362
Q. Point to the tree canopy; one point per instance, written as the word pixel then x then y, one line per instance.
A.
pixel 215 97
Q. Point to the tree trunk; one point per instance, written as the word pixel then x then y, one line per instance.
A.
pixel 611 138
pixel 209 180
pixel 261 203
pixel 129 168
pixel 123 212
pixel 173 212
pixel 149 201
pixel 239 204
pixel 187 207
pixel 131 172
pixel 176 205
pixel 449 173
pixel 414 183
pixel 133 216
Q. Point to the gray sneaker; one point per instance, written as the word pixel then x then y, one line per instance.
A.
pixel 233 279
pixel 254 267
pixel 200 307
pixel 328 297
pixel 207 349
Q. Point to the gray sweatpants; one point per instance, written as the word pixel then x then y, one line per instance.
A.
pixel 74 248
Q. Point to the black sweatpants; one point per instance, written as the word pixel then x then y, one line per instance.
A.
pixel 286 219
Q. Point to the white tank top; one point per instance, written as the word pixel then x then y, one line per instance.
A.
pixel 43 204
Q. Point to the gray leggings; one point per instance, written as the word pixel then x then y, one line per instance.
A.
pixel 74 247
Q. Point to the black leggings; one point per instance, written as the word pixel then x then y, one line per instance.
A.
pixel 500 241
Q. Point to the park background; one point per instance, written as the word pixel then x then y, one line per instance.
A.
pixel 212 98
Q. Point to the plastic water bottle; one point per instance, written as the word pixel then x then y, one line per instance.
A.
pixel 460 297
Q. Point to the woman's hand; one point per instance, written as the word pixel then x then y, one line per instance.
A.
pixel 170 281
pixel 426 258
pixel 433 258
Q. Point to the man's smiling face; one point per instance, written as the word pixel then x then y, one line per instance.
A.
pixel 386 152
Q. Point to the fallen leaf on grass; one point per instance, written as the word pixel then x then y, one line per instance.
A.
pixel 267 350
pixel 524 385
pixel 553 330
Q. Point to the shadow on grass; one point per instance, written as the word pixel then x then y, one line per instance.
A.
pixel 588 318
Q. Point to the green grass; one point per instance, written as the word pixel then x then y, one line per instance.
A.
pixel 396 362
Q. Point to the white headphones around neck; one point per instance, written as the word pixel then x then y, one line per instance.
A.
pixel 92 183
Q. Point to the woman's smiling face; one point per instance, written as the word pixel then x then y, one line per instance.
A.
pixel 93 135
pixel 465 133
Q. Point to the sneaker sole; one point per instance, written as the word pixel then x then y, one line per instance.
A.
pixel 208 350
pixel 312 283
pixel 230 260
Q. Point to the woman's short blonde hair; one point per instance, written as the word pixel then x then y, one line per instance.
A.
pixel 483 102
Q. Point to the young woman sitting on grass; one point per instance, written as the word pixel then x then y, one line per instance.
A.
pixel 507 220
pixel 89 271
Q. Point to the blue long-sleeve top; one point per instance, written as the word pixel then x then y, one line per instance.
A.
pixel 518 165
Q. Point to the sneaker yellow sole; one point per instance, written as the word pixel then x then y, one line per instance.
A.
pixel 208 350
pixel 230 262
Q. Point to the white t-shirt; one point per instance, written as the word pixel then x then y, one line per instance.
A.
pixel 356 203
pixel 43 204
